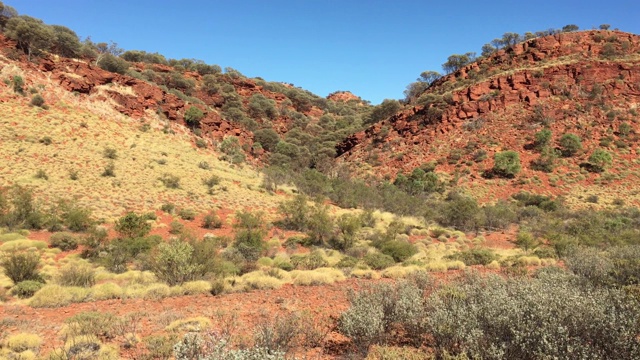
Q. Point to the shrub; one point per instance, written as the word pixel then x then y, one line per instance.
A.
pixel 21 266
pixel 170 181
pixel 169 208
pixel 308 262
pixel 268 138
pixel 110 153
pixel 211 221
pixel 211 181
pixel 176 227
pixel 542 138
pixel 109 170
pixel 599 160
pixel 570 144
pixel 26 289
pixel 64 241
pixel 37 100
pixel 249 234
pixel 192 116
pixel 106 291
pixel 378 261
pixel 521 318
pixel 132 225
pixel 506 164
pixel 213 346
pixel 73 274
pixel 172 262
pixel 187 214
pixel 41 174
pixel 398 250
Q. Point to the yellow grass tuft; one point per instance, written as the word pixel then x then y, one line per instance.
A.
pixel 23 342
pixel 23 244
pixel 365 274
pixel 196 287
pixel 317 277
pixel 156 292
pixel 106 291
pixel 194 324
pixel 399 271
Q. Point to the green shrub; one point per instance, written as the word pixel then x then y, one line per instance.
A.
pixel 249 234
pixel 132 225
pixel 308 262
pixel 169 208
pixel 268 138
pixel 21 266
pixel 398 250
pixel 192 116
pixel 64 241
pixel 570 145
pixel 495 318
pixel 26 289
pixel 170 181
pixel 109 170
pixel 37 100
pixel 172 262
pixel 110 153
pixel 542 138
pixel 599 160
pixel 506 164
pixel 187 214
pixel 211 221
pixel 41 174
pixel 378 261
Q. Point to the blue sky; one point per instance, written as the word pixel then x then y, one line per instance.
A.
pixel 371 48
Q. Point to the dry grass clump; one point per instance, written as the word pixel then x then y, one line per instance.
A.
pixel 365 274
pixel 85 347
pixel 23 244
pixel 529 261
pixel 379 352
pixel 494 265
pixel 156 292
pixel 399 271
pixel 194 324
pixel 261 280
pixel 56 296
pixel 106 291
pixel 196 287
pixel 318 276
pixel 22 342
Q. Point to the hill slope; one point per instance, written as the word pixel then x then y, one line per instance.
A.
pixel 584 83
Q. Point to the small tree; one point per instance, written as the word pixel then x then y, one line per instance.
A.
pixel 173 262
pixel 526 241
pixel 599 160
pixel 192 116
pixel 249 234
pixel 570 28
pixel 506 164
pixel 268 138
pixel 604 27
pixel 570 144
pixel 132 226
pixel 31 34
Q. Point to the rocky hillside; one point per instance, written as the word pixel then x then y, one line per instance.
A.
pixel 583 83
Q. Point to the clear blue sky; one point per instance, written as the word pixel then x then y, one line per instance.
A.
pixel 371 48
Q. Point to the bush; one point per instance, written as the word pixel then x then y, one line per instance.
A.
pixel 211 221
pixel 494 318
pixel 599 160
pixel 37 100
pixel 109 170
pixel 506 164
pixel 378 261
pixel 570 145
pixel 192 116
pixel 542 138
pixel 26 289
pixel 51 296
pixel 113 64
pixel 268 138
pixel 64 241
pixel 22 266
pixel 187 214
pixel 398 250
pixel 170 181
pixel 110 153
pixel 172 262
pixel 132 225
